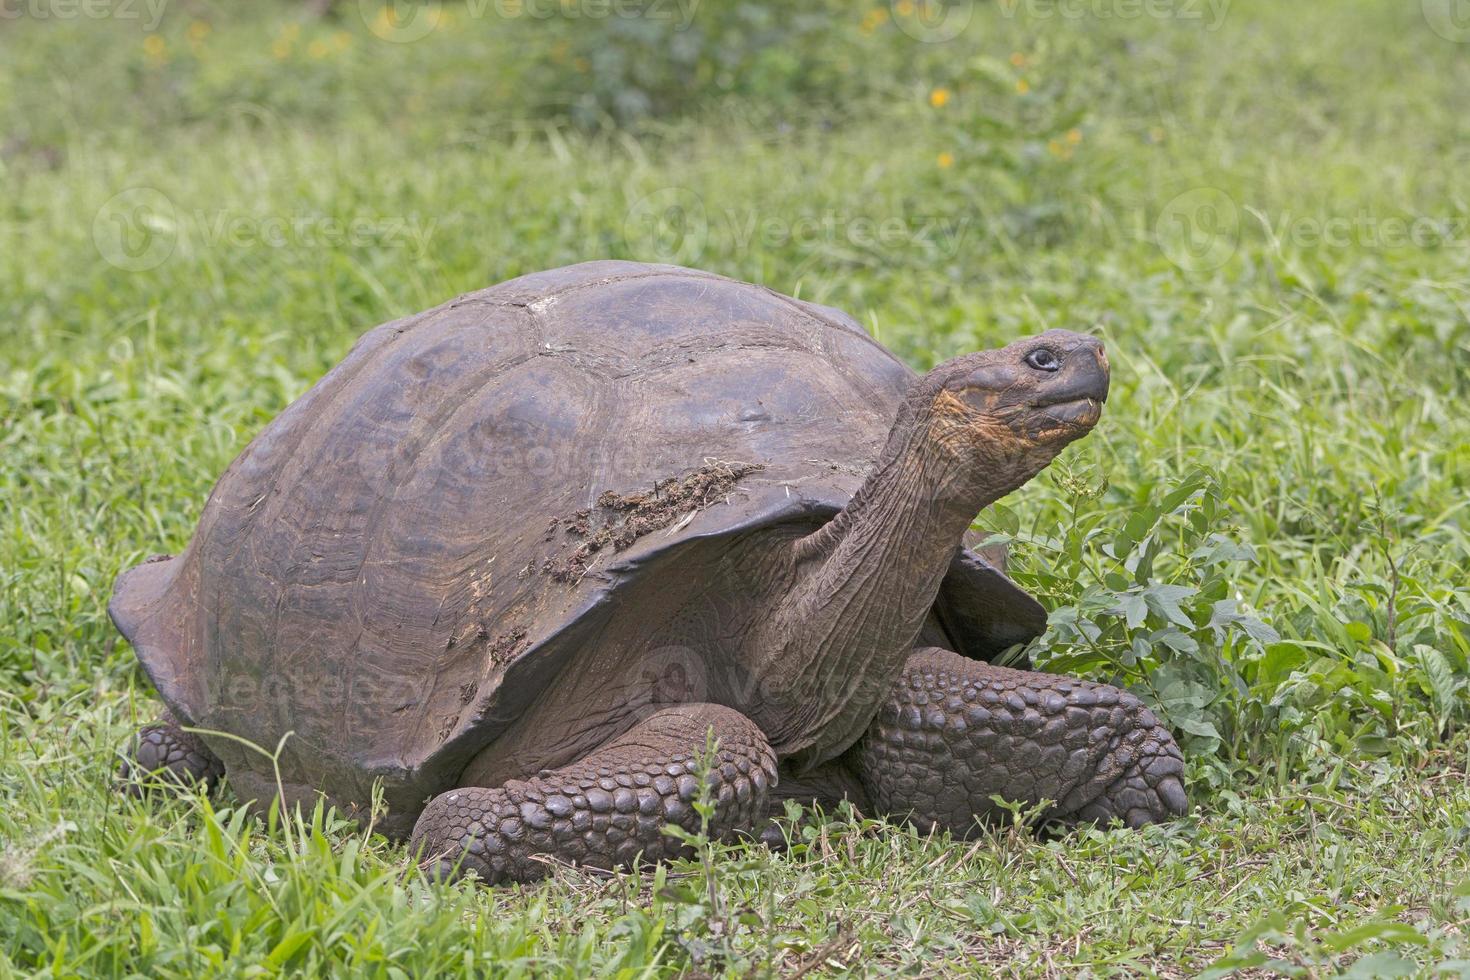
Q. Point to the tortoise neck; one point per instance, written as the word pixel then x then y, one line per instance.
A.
pixel 862 587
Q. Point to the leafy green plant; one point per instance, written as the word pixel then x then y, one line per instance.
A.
pixel 1015 124
pixel 708 926
pixel 1371 950
pixel 623 69
pixel 1154 604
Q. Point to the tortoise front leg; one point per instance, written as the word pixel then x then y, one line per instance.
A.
pixel 164 750
pixel 609 806
pixel 956 731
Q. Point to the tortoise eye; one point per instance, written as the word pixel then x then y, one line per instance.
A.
pixel 1042 359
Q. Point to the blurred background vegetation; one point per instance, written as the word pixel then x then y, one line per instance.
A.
pixel 1275 252
pixel 1263 208
pixel 953 192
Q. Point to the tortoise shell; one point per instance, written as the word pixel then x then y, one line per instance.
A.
pixel 400 561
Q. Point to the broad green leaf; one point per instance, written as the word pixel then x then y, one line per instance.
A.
pixel 1385 931
pixel 1164 601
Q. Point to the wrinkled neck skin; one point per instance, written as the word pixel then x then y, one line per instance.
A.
pixel 864 583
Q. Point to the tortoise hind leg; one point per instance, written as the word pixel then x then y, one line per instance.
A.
pixel 956 731
pixel 163 751
pixel 608 807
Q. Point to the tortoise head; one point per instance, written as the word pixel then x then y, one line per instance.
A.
pixel 966 434
pixel 1004 414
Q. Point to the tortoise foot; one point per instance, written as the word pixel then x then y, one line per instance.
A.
pixel 825 786
pixel 163 753
pixel 957 731
pixel 606 809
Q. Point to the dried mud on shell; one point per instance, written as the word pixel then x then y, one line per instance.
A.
pixel 621 519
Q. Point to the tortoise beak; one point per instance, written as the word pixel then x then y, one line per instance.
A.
pixel 1101 354
pixel 1084 377
pixel 1071 404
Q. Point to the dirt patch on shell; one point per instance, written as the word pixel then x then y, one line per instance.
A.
pixel 621 519
pixel 506 646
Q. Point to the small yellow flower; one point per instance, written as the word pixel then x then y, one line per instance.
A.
pixel 1059 149
pixel 904 8
pixel 1156 134
pixel 945 160
pixel 281 49
pixel 1074 136
pixel 199 30
pixel 156 48
pixel 1022 86
pixel 939 98
pixel 873 19
pixel 292 31
pixel 318 49
pixel 1018 59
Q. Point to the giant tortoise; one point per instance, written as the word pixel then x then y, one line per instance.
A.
pixel 547 562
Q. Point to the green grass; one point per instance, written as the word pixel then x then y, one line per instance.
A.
pixel 1265 537
pixel 1323 874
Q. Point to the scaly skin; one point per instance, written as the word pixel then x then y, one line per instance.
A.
pixel 163 750
pixel 952 732
pixel 607 808
pixel 955 731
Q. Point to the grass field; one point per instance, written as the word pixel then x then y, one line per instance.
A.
pixel 1262 208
